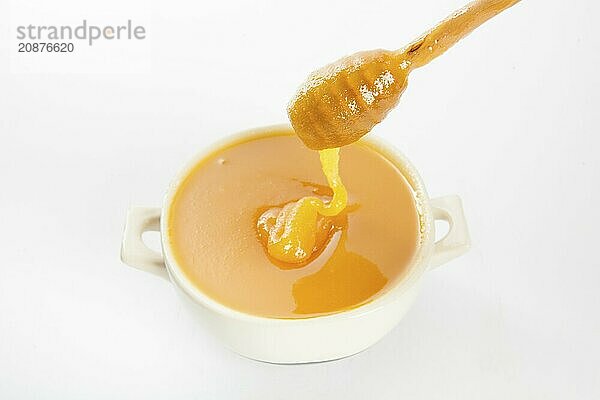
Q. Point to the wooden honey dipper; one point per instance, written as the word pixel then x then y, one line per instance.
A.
pixel 343 101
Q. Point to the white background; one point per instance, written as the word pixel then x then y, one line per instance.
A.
pixel 508 119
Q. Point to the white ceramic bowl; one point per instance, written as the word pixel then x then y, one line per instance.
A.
pixel 311 339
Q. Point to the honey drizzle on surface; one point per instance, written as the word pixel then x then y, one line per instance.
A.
pixel 296 231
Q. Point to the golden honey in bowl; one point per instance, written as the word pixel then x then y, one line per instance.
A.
pixel 361 252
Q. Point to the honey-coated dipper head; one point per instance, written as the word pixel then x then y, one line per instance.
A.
pixel 343 101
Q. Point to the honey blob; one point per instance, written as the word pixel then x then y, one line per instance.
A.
pixel 298 230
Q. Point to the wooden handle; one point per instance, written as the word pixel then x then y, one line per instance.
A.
pixel 458 25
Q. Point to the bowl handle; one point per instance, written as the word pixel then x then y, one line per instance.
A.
pixel 133 250
pixel 457 241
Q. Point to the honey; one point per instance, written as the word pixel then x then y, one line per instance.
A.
pixel 343 101
pixel 340 103
pixel 267 236
pixel 364 250
pixel 296 231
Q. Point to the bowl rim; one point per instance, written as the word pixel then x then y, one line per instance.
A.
pixel 417 266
